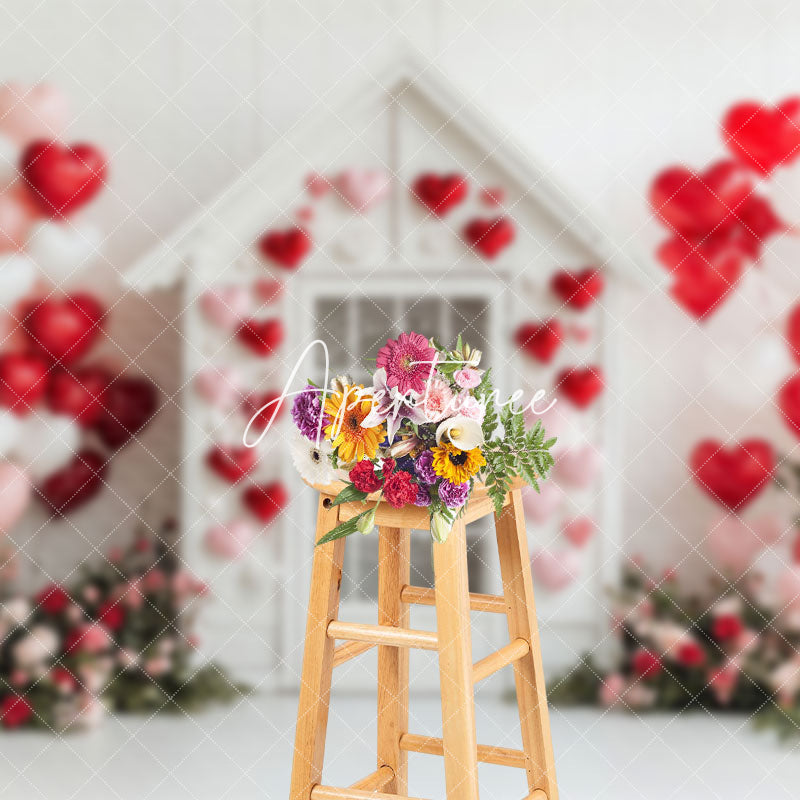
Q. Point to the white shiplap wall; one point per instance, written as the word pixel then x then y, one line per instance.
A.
pixel 184 95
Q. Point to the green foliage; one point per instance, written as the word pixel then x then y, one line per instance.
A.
pixel 516 452
pixel 344 528
pixel 183 690
pixel 348 495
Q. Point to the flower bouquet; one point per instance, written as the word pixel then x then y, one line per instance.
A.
pixel 425 431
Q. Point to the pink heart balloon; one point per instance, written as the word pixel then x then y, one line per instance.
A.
pixel 230 541
pixel 15 494
pixel 32 112
pixel 540 505
pixel 221 387
pixel 555 570
pixel 579 530
pixel 578 466
pixel 770 528
pixel 734 543
pixel 268 290
pixel 362 188
pixel 17 215
pixel 225 306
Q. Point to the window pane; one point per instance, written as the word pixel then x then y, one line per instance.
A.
pixel 470 318
pixel 375 323
pixel 331 315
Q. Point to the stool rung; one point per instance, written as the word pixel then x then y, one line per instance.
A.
pixel 518 649
pixel 432 746
pixel 344 652
pixel 332 793
pixel 383 634
pixel 477 602
pixel 376 781
pixel 538 794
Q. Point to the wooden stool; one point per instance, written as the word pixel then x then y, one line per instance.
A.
pixel 392 636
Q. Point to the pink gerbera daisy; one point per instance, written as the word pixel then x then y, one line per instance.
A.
pixel 407 361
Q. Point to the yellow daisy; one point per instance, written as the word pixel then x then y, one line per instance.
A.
pixel 347 409
pixel 457 466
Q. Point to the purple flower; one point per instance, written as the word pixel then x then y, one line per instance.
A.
pixel 423 497
pixel 307 410
pixel 454 495
pixel 423 466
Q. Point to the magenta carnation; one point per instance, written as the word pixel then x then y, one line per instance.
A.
pixel 407 361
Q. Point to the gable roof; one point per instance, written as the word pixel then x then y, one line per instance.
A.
pixel 164 263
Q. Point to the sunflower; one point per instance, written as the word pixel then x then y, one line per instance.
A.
pixel 456 466
pixel 347 410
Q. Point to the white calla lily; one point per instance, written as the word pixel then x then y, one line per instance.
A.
pixel 462 432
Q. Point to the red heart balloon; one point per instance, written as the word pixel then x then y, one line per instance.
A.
pixel 753 223
pixel 255 402
pixel 763 137
pixel 540 340
pixel 440 193
pixel 23 381
pixel 64 329
pixel 76 483
pixel 580 385
pixel 79 394
pixel 578 289
pixel 62 178
pixel 266 501
pixel 232 463
pixel 757 221
pixel 262 336
pixel 696 204
pixel 704 273
pixel 789 403
pixel 793 333
pixel 128 405
pixel 286 248
pixel 489 236
pixel 736 475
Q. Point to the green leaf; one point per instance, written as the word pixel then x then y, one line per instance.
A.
pixel 344 529
pixel 348 495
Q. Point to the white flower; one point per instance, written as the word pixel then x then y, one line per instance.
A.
pixel 38 646
pixel 462 432
pixel 668 635
pixel 313 463
pixel 15 611
pixel 731 605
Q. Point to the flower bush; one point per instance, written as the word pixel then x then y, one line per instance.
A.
pixel 722 651
pixel 422 434
pixel 118 638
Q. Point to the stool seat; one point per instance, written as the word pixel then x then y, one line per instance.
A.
pixel 452 642
pixel 479 505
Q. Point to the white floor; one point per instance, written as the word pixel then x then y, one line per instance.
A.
pixel 245 751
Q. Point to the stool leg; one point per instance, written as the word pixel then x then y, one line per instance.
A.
pixel 394 572
pixel 455 666
pixel 512 544
pixel 315 684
